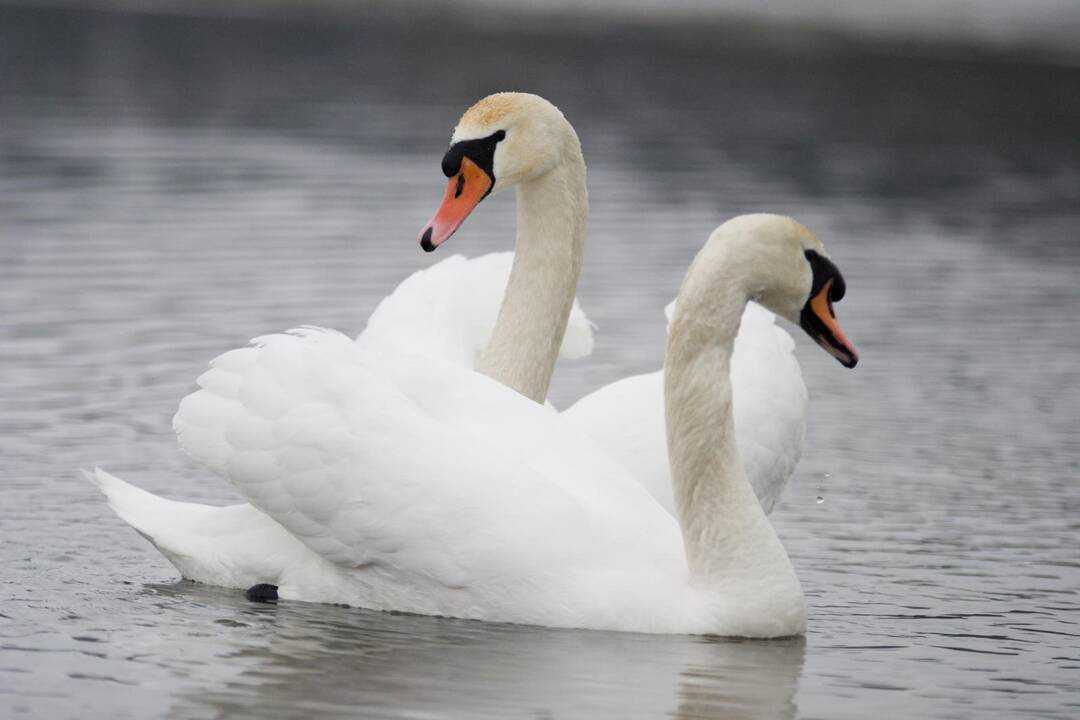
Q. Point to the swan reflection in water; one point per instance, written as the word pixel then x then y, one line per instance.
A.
pixel 322 661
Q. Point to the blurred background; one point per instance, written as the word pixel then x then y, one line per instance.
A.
pixel 178 177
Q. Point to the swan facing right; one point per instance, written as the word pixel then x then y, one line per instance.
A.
pixel 409 483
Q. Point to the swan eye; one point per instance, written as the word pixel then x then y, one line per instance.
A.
pixel 481 151
pixel 823 271
pixel 836 292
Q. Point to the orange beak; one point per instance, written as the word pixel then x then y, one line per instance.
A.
pixel 819 321
pixel 463 193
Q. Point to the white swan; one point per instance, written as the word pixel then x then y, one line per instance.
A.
pixel 447 311
pixel 419 486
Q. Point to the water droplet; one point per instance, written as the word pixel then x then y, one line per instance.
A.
pixel 820 499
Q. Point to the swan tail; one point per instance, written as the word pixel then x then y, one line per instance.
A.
pixel 133 505
pixel 233 546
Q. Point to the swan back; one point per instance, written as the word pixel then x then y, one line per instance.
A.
pixel 449 310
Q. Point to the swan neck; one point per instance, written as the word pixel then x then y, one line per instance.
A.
pixel 725 531
pixel 552 211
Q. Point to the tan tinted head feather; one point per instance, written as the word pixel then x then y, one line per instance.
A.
pixel 490 110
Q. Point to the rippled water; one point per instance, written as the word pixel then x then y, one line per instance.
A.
pixel 170 187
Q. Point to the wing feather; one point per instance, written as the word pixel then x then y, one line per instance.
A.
pixel 412 468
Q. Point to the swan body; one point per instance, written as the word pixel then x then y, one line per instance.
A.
pixel 415 478
pixel 446 310
pixel 421 486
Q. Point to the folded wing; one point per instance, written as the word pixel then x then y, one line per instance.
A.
pixel 425 485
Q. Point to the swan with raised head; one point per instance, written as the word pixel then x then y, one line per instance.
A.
pixel 522 141
pixel 420 486
pixel 463 311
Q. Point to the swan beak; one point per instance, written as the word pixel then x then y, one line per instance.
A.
pixel 819 321
pixel 463 193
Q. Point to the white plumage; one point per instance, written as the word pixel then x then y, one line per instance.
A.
pixel 402 481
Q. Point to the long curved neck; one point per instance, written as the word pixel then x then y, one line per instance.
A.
pixel 725 531
pixel 552 211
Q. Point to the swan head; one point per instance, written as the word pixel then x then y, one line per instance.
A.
pixel 503 140
pixel 787 270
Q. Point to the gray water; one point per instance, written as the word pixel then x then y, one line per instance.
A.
pixel 171 187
